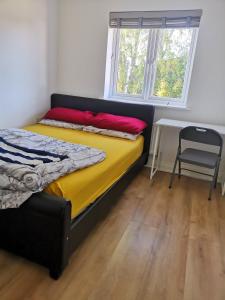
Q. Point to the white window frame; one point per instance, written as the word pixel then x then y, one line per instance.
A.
pixel 146 97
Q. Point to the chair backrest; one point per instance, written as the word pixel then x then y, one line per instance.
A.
pixel 201 135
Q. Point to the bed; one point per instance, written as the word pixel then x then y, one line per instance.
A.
pixel 49 226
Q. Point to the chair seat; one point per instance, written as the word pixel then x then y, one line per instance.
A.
pixel 199 158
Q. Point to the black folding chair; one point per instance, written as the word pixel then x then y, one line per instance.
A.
pixel 198 157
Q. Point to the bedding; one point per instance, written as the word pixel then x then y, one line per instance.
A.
pixel 29 162
pixel 62 124
pixel 98 120
pixel 120 123
pixel 120 134
pixel 70 115
pixel 109 132
pixel 84 186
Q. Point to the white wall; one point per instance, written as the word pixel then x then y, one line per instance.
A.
pixel 27 59
pixel 83 27
pixel 53 44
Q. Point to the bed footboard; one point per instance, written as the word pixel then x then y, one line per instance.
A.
pixel 39 230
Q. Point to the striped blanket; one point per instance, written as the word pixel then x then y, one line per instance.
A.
pixel 29 162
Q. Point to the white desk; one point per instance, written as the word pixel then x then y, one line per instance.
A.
pixel 176 124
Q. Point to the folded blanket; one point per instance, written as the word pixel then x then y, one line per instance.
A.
pixel 29 162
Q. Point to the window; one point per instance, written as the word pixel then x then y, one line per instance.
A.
pixel 150 64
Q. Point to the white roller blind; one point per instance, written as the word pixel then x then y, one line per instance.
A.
pixel 156 19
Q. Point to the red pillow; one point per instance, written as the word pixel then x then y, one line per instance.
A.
pixel 70 115
pixel 119 123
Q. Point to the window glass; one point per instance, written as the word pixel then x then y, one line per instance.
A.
pixel 172 59
pixel 133 45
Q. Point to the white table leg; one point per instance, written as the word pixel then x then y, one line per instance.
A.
pixel 158 151
pixel 156 144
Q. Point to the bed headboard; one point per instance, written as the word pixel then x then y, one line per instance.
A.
pixel 144 112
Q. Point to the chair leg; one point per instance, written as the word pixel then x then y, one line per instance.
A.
pixel 213 182
pixel 217 172
pixel 173 173
pixel 210 191
pixel 179 168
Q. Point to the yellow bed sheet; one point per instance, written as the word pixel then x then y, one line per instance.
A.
pixel 84 186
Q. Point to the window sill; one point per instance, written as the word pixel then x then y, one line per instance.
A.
pixel 157 105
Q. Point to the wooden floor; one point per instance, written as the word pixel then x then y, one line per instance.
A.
pixel 156 244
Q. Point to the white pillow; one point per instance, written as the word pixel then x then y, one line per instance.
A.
pixel 108 132
pixel 61 124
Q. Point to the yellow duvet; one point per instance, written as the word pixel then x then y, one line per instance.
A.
pixel 84 186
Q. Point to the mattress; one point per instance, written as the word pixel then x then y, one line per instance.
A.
pixel 84 186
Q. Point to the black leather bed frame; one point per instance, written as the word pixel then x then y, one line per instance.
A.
pixel 42 229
